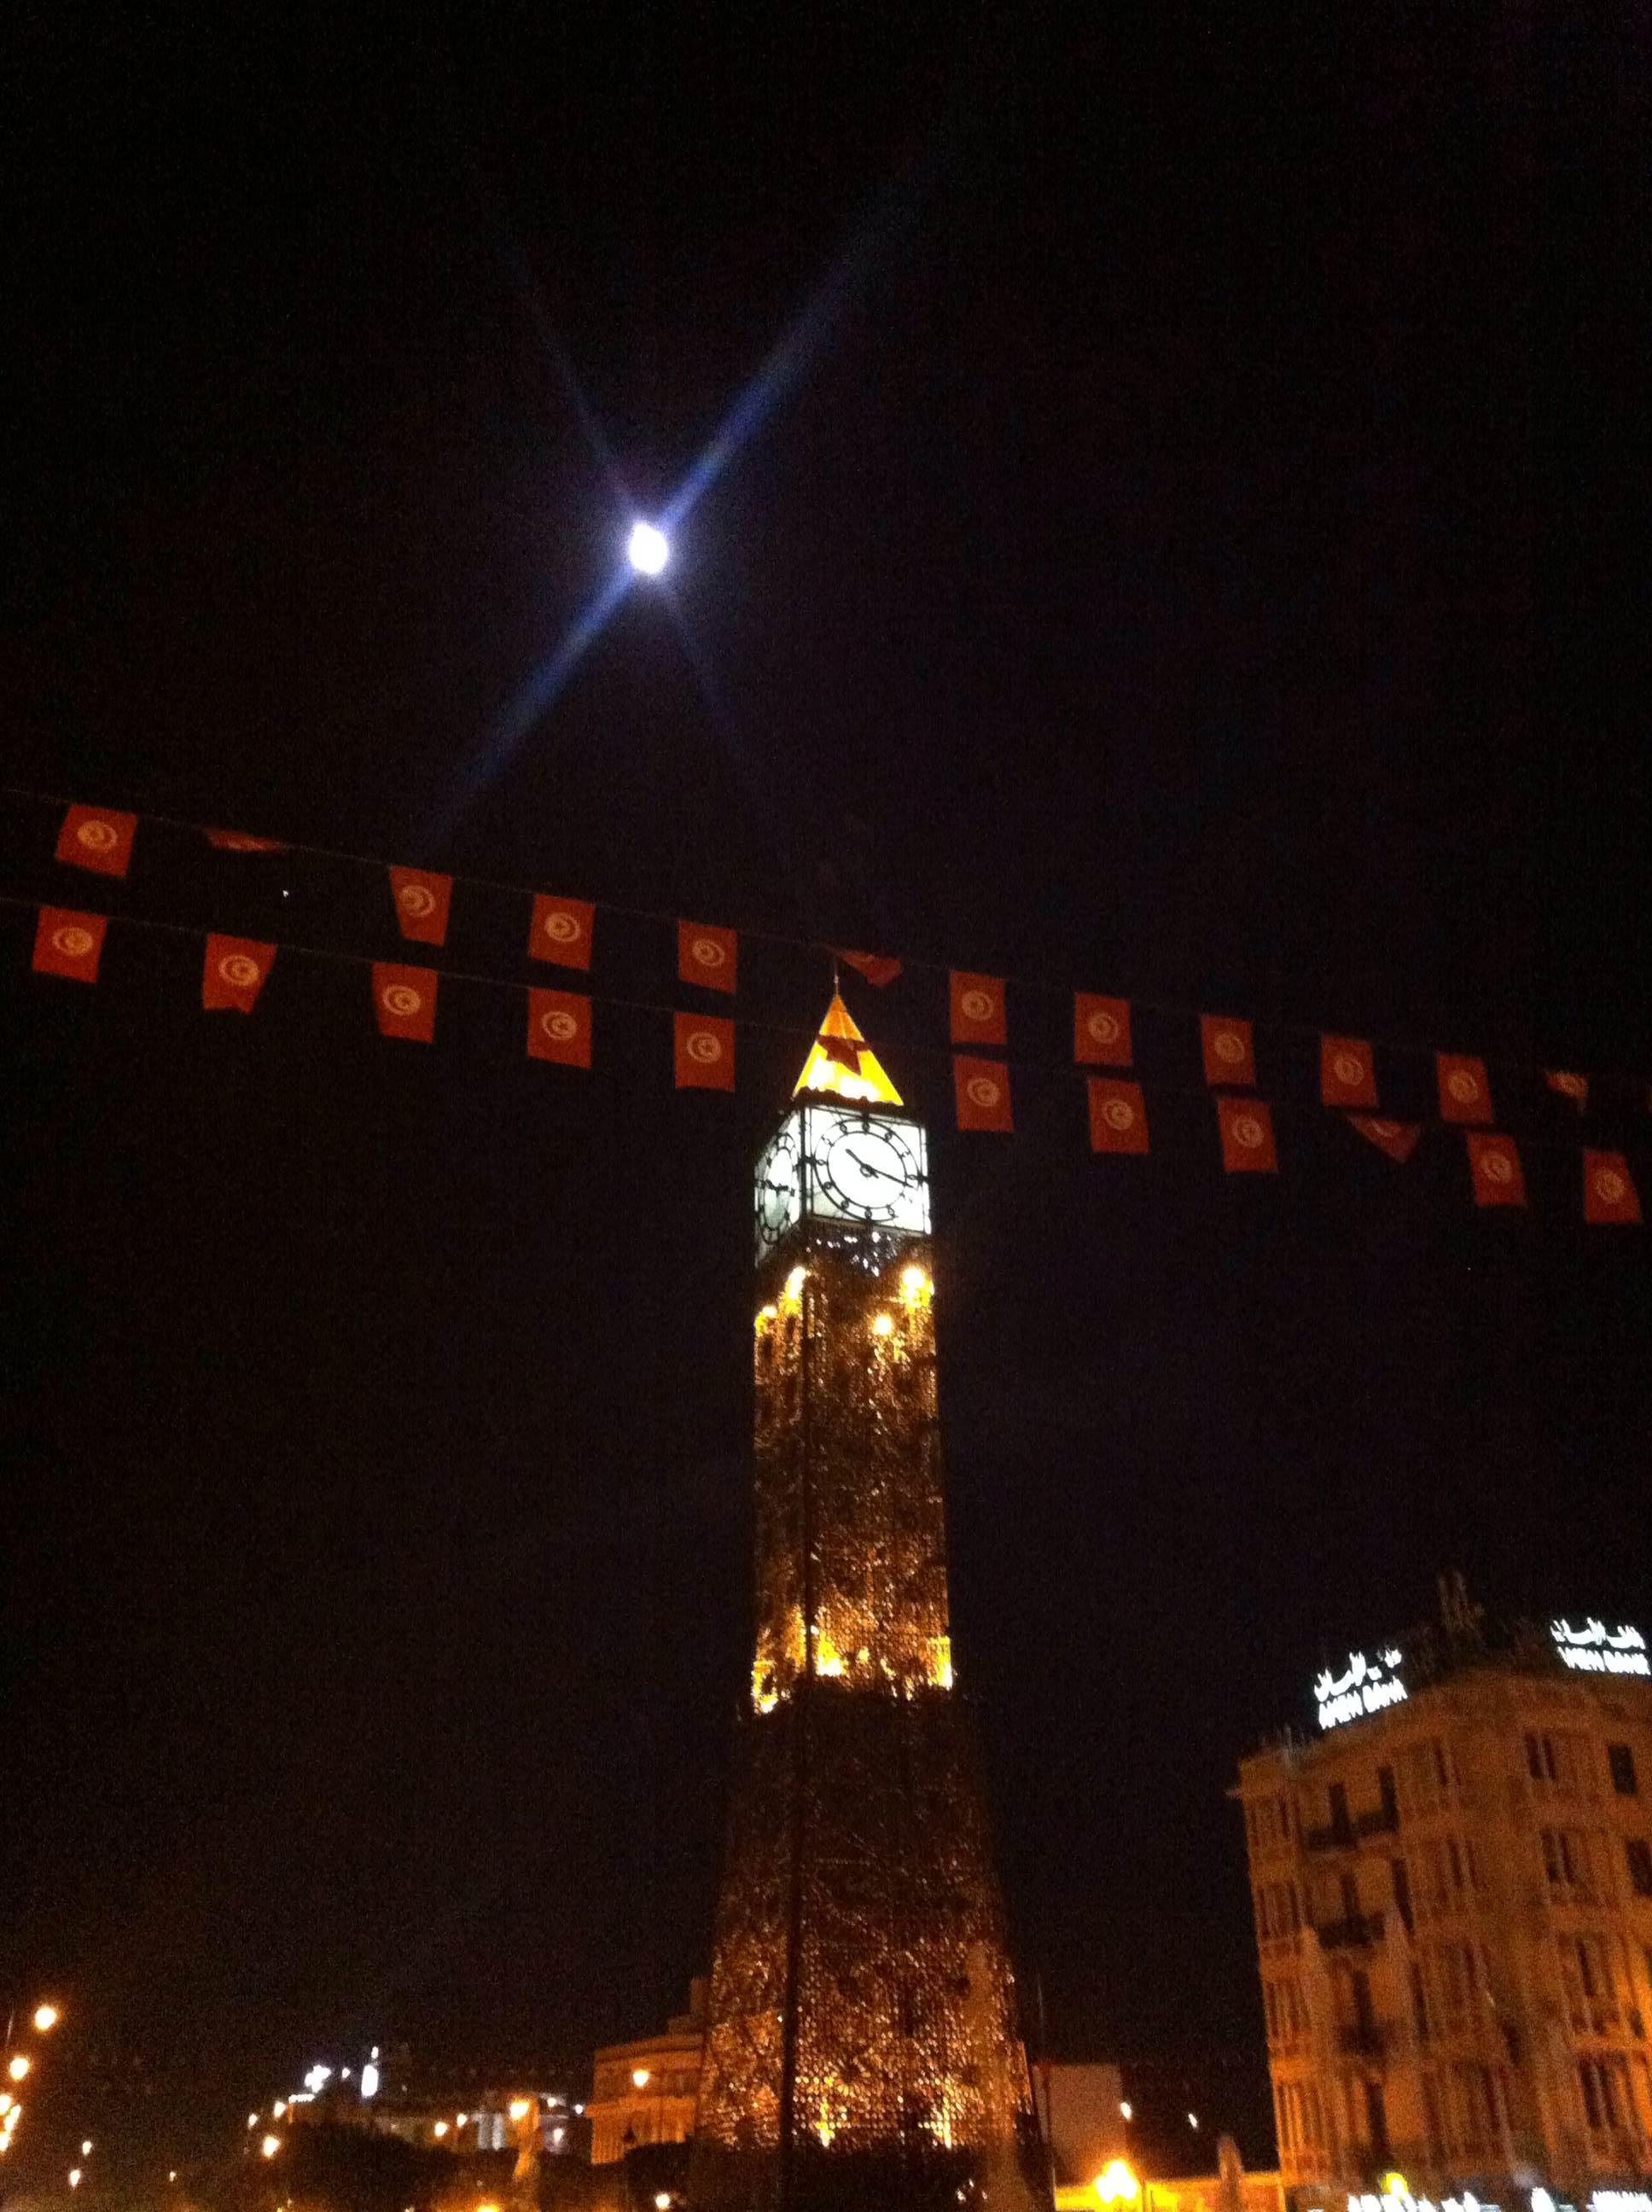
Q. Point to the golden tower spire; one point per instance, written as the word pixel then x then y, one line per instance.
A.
pixel 842 1065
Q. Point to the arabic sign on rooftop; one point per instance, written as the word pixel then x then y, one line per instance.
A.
pixel 1595 1649
pixel 1366 1687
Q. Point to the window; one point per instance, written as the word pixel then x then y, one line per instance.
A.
pixel 1567 1865
pixel 1390 1796
pixel 1431 2115
pixel 1401 1891
pixel 1539 1758
pixel 1419 2004
pixel 1276 1910
pixel 1605 2084
pixel 1339 1821
pixel 1620 1758
pixel 1638 1852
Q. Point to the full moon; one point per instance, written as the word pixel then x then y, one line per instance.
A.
pixel 647 549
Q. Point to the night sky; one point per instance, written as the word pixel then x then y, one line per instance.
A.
pixel 1178 542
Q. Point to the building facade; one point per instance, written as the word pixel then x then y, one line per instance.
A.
pixel 1453 1894
pixel 648 2091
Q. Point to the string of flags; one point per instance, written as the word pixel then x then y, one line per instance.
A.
pixel 68 944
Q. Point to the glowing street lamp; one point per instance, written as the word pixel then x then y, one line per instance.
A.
pixel 640 2077
pixel 270 2146
pixel 46 2017
pixel 647 549
pixel 1116 2185
pixel 19 2066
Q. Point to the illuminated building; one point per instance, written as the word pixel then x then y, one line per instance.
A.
pixel 1452 1889
pixel 861 2035
pixel 648 2091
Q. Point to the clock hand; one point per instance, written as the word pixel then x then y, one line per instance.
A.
pixel 874 1175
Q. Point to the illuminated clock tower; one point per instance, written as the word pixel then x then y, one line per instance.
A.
pixel 861 2045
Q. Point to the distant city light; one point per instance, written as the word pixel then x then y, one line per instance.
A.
pixel 278 2110
pixel 369 2080
pixel 1128 2110
pixel 663 2201
pixel 18 2068
pixel 270 2146
pixel 440 2129
pixel 86 2147
pixel 74 2177
pixel 520 2108
pixel 252 2119
pixel 1193 2119
pixel 316 2078
pixel 46 2017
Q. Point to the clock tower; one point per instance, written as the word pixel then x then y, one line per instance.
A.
pixel 861 2045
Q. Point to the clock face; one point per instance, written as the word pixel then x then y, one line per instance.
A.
pixel 867 1167
pixel 780 1189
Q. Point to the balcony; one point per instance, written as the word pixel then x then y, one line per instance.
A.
pixel 1357 1931
pixel 1338 1836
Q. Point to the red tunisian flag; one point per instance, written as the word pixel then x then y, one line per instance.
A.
pixel 707 955
pixel 559 1028
pixel 1465 1090
pixel 68 944
pixel 1348 1072
pixel 98 838
pixel 1230 1056
pixel 1246 1125
pixel 237 841
pixel 983 1093
pixel 1494 1164
pixel 877 968
pixel 1609 1192
pixel 560 930
pixel 1100 1030
pixel 421 898
pixel 233 973
pixel 978 1015
pixel 704 1052
pixel 1397 1139
pixel 404 999
pixel 1117 1116
pixel 1575 1087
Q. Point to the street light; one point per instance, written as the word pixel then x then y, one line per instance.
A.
pixel 46 2017
pixel 18 2068
pixel 74 2177
pixel 270 2146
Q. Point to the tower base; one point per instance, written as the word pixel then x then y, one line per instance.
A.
pixel 861 2047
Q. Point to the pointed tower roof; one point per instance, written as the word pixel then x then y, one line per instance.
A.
pixel 842 1065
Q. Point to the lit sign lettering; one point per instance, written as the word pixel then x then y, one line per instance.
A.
pixel 1366 1687
pixel 1595 1650
pixel 1389 2202
pixel 1620 2200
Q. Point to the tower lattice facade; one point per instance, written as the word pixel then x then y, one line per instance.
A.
pixel 861 2044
